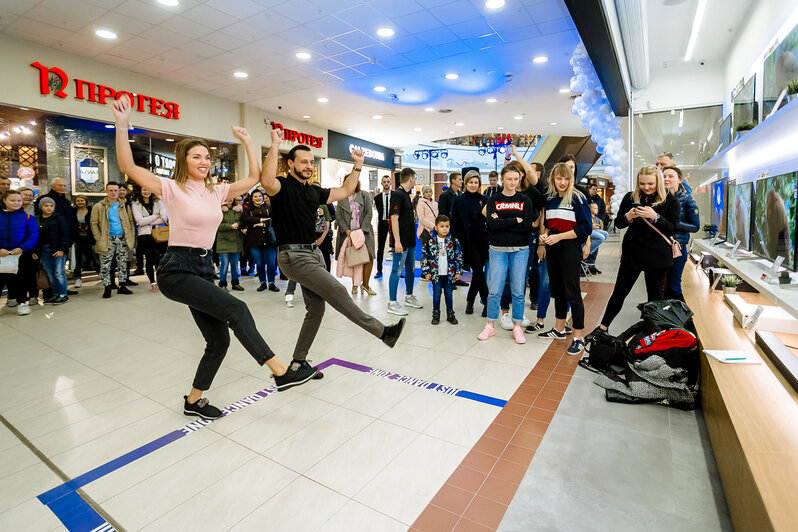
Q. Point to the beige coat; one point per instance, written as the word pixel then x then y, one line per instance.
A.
pixel 426 212
pixel 100 227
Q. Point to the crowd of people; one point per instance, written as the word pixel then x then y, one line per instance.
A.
pixel 529 231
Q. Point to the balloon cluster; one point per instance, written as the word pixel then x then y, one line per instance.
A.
pixel 593 108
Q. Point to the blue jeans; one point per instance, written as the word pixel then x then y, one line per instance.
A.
pixel 673 281
pixel 265 258
pixel 54 266
pixel 442 284
pixel 502 264
pixel 232 260
pixel 407 260
pixel 597 237
pixel 544 295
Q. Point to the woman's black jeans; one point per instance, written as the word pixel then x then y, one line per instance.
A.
pixel 185 275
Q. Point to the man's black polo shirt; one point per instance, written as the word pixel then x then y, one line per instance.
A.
pixel 294 210
pixel 401 205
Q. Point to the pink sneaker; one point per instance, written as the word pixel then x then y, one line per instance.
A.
pixel 487 332
pixel 518 334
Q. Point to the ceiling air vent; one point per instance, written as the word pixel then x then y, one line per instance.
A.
pixel 444 111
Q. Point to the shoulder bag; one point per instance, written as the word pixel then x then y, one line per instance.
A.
pixel 160 234
pixel 675 246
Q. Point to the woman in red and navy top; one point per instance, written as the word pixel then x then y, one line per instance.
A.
pixel 564 244
pixel 509 215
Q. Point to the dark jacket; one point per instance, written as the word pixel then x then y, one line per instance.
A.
pixel 688 221
pixel 642 247
pixel 229 240
pixel 18 229
pixel 602 207
pixel 62 205
pixel 429 257
pixel 257 236
pixel 57 235
pixel 467 223
pixel 445 201
pixel 380 207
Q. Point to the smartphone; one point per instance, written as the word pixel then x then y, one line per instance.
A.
pixel 635 205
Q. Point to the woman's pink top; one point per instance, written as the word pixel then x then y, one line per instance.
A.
pixel 194 213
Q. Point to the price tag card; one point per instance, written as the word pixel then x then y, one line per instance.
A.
pixel 772 273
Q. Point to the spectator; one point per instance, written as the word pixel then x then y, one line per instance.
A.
pixel 147 213
pixel 563 243
pixel 81 235
pixel 643 249
pixel 593 197
pixel 597 237
pixel 19 233
pixel 27 200
pixel 447 196
pixel 230 243
pixel 442 263
pixel 382 202
pixel 404 242
pixel 688 223
pixel 57 193
pixel 5 185
pixel 426 213
pixel 353 213
pixel 112 228
pixel 52 249
pixel 469 227
pixel 665 160
pixel 258 221
pixel 493 184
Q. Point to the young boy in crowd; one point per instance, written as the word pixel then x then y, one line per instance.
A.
pixel 442 263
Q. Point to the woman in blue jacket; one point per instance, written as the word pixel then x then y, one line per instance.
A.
pixel 18 234
pixel 52 248
pixel 688 223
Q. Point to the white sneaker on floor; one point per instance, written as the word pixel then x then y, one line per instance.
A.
pixel 395 308
pixel 506 321
pixel 23 309
pixel 78 283
pixel 289 300
pixel 526 322
pixel 412 302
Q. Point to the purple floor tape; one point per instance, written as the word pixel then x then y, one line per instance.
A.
pixel 78 516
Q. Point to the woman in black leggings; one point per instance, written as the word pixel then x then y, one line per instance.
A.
pixel 644 249
pixel 185 273
pixel 470 228
pixel 147 213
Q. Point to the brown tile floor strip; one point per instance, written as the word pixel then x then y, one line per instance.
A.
pixel 476 496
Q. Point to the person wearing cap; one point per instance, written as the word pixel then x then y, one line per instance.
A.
pixel 426 212
pixel 52 248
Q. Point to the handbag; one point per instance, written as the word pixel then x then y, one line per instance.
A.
pixel 42 280
pixel 675 246
pixel 9 264
pixel 357 256
pixel 160 234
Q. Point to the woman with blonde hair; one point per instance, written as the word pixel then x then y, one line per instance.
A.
pixel 652 215
pixel 564 244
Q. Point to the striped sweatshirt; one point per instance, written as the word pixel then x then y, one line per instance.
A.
pixel 564 218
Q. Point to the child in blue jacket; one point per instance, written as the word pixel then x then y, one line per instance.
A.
pixel 442 263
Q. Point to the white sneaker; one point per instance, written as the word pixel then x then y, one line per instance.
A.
pixel 506 322
pixel 525 322
pixel 23 309
pixel 289 300
pixel 78 283
pixel 412 302
pixel 395 308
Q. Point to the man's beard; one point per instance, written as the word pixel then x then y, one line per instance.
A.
pixel 300 176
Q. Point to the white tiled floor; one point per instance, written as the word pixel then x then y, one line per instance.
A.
pixel 88 381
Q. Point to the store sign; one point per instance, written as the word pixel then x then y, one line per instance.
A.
pixel 297 136
pixel 54 80
pixel 341 146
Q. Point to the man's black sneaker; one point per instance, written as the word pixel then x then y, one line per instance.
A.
pixel 305 363
pixel 297 374
pixel 238 288
pixel 533 305
pixel 576 348
pixel 72 292
pixel 138 272
pixel 450 317
pixel 124 290
pixel 201 408
pixel 107 292
pixel 553 333
pixel 59 300
pixel 534 327
pixel 262 287
pixel 469 308
pixel 130 283
pixel 273 288
pixel 460 283
pixel 392 332
pixel 436 317
pixel 50 300
pixel 592 269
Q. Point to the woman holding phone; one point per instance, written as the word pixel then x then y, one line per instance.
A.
pixel 652 215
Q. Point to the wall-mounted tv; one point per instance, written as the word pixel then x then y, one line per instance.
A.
pixel 725 132
pixel 781 67
pixel 738 214
pixel 774 216
pixel 745 107
pixel 717 216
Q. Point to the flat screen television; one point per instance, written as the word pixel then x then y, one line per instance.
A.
pixel 717 216
pixel 725 133
pixel 781 67
pixel 745 107
pixel 738 214
pixel 774 218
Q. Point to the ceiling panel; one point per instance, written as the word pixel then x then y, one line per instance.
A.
pixel 209 16
pixel 145 11
pixel 393 9
pixel 417 22
pixel 435 37
pixel 449 16
pixel 237 8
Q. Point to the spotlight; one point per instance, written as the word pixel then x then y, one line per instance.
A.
pixel 379 88
pixel 303 55
pixel 491 100
pixel 429 109
pixel 105 34
pixel 385 32
pixel 452 75
pixel 240 75
pixel 540 59
pixel 494 4
pixel 322 100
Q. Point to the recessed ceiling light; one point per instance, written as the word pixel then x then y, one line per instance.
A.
pixel 379 88
pixel 385 32
pixel 305 116
pixel 322 100
pixel 240 74
pixel 349 129
pixel 302 55
pixel 68 129
pixel 518 117
pixel 376 117
pixel 451 132
pixel 109 126
pixel 565 89
pixel 429 109
pixel 452 75
pixel 552 123
pixel 105 34
pixel 499 128
pixel 169 140
pixel 213 147
pixel 540 59
pixel 168 3
pixel 494 4
pixel 459 124
pixel 491 100
pixel 416 129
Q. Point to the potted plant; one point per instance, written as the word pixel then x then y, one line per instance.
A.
pixel 710 229
pixel 730 283
pixel 792 89
pixel 744 128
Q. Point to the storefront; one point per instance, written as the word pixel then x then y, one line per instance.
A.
pixel 294 134
pixel 379 161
